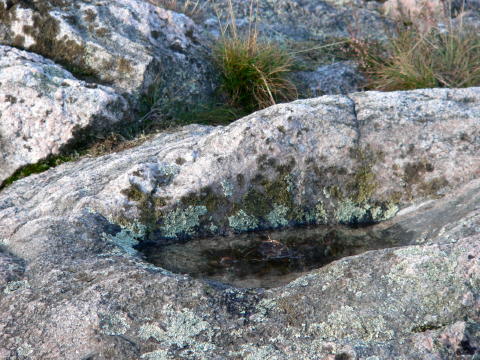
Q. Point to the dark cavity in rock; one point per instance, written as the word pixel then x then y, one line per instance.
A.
pixel 267 259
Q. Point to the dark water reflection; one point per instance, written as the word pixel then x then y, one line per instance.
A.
pixel 266 259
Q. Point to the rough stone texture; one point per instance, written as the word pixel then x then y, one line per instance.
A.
pixel 338 78
pixel 301 20
pixel 422 149
pixel 333 159
pixel 74 287
pixel 129 44
pixel 43 108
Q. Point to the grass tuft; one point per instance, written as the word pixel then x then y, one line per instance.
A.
pixel 429 59
pixel 254 73
pixel 421 55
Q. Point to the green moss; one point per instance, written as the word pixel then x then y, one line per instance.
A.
pixel 36 168
pixel 148 206
pixel 334 196
pixel 102 32
pixel 90 15
pixel 334 191
pixel 414 172
pixel 240 180
pixel 426 327
pixel 133 193
pixel 180 161
pixel 124 66
pixel 11 99
pixel 364 184
pixel 215 114
pixel 256 203
pixel 205 197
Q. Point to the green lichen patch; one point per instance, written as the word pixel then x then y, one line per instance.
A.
pixel 152 331
pixel 128 237
pixel 13 286
pixel 242 222
pixel 349 212
pixel 278 217
pixel 156 355
pixel 114 324
pixel 320 215
pixel 181 223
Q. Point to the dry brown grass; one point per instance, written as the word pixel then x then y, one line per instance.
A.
pixel 421 54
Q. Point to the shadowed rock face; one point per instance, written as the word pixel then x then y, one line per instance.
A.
pixel 43 108
pixel 77 288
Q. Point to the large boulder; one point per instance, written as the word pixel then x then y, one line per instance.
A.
pixel 43 109
pixel 335 159
pixel 76 287
pixel 131 45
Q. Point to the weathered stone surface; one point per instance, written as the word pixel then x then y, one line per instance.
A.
pixel 326 160
pixel 43 108
pixel 302 20
pixel 337 78
pixel 129 44
pixel 427 138
pixel 79 289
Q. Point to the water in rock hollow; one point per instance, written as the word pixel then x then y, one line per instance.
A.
pixel 265 259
